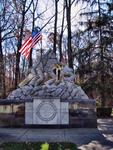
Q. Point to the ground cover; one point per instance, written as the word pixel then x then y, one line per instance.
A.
pixel 38 146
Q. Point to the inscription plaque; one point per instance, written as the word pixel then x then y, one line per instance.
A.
pixel 46 112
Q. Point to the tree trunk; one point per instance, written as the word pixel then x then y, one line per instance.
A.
pixel 30 59
pixel 55 26
pixel 17 70
pixel 33 25
pixel 102 91
pixel 61 34
pixel 2 71
pixel 68 16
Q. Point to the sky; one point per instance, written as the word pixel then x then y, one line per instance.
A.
pixel 49 6
pixel 50 12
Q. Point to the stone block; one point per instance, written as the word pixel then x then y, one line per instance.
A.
pixel 46 112
pixel 28 113
pixel 64 113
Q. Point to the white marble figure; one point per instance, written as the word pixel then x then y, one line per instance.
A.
pixel 48 70
pixel 43 66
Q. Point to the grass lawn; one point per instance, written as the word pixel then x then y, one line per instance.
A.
pixel 38 146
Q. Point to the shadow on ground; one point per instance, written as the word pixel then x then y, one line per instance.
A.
pixel 105 142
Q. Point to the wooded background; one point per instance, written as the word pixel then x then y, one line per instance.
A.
pixel 85 43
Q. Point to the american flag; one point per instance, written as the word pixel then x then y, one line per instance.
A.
pixel 29 43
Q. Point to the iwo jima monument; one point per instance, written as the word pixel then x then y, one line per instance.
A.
pixel 53 97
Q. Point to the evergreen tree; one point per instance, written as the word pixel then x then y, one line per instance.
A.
pixel 99 29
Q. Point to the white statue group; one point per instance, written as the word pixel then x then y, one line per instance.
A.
pixel 48 70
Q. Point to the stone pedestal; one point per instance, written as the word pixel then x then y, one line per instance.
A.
pixel 46 112
pixel 28 113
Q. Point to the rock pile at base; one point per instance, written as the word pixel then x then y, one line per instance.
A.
pixel 65 91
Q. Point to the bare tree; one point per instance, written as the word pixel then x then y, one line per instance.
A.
pixel 34 18
pixel 6 28
pixel 2 72
pixel 68 17
pixel 62 30
pixel 55 26
pixel 22 12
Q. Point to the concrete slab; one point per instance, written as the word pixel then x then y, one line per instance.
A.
pixel 100 138
pixel 79 136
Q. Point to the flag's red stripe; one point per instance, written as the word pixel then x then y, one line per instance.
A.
pixel 25 43
pixel 27 53
pixel 37 40
pixel 28 44
pixel 27 47
pixel 39 37
pixel 36 36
